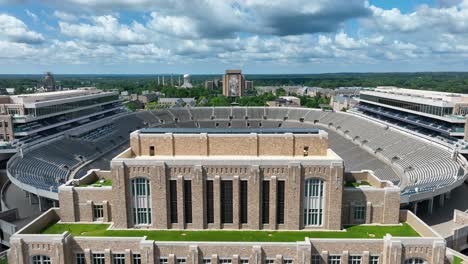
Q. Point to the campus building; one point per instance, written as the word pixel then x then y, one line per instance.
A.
pixel 234 83
pixel 249 180
pixel 439 115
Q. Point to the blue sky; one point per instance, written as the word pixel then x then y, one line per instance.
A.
pixel 209 36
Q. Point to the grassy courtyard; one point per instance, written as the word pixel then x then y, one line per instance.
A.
pixel 360 231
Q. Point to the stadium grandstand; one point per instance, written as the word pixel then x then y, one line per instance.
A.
pixel 439 116
pixel 38 117
pixel 423 169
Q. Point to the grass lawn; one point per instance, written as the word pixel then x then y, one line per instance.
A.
pixel 457 260
pixel 242 236
pixel 357 184
pixel 98 183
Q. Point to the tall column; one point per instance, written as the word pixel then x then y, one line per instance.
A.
pixel 273 202
pixel 120 194
pixel 441 200
pixel 217 201
pixel 160 197
pixel 368 213
pixel 180 202
pixel 415 210
pixel 254 206
pixel 430 205
pixel 194 256
pixel 236 202
pixel 198 198
pixel 257 255
pixel 294 208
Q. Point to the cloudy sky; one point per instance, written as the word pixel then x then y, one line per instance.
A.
pixel 208 36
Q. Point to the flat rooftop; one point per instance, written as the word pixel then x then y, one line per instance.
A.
pixel 230 130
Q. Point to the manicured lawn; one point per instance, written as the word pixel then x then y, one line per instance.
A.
pixel 242 236
pixel 457 260
pixel 98 183
pixel 356 184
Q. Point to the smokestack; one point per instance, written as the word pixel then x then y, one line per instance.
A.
pixel 163 81
pixel 179 80
pixel 158 80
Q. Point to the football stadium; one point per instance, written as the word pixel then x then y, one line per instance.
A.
pixel 422 169
pixel 234 185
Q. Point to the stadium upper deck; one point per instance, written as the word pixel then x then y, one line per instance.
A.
pixel 24 118
pixel 436 114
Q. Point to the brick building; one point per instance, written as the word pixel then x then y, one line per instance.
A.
pixel 229 179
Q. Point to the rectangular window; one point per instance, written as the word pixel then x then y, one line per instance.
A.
pixel 244 261
pixel 374 260
pixel 151 151
pixel 226 202
pixel 80 258
pixel 209 202
pixel 136 258
pixel 98 258
pixel 181 260
pixel 118 258
pixel 173 200
pixel 163 261
pixel 269 261
pixel 334 259
pixel 98 211
pixel 206 261
pixel 266 202
pixel 188 201
pixel 225 261
pixel 316 259
pixel 288 261
pixel 244 202
pixel 360 213
pixel 280 202
pixel 355 260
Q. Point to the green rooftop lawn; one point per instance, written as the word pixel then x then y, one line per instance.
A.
pixel 4 260
pixel 360 231
pixel 356 184
pixel 98 183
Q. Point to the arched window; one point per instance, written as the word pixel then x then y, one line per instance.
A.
pixel 40 259
pixel 415 261
pixel 313 202
pixel 141 201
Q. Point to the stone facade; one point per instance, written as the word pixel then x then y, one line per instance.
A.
pixel 62 249
pixel 202 160
pixel 247 172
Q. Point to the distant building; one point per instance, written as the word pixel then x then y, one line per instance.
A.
pixel 212 84
pixel 48 83
pixel 249 85
pixel 338 102
pixel 186 83
pixel 233 83
pixel 177 102
pixel 149 97
pixel 285 101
